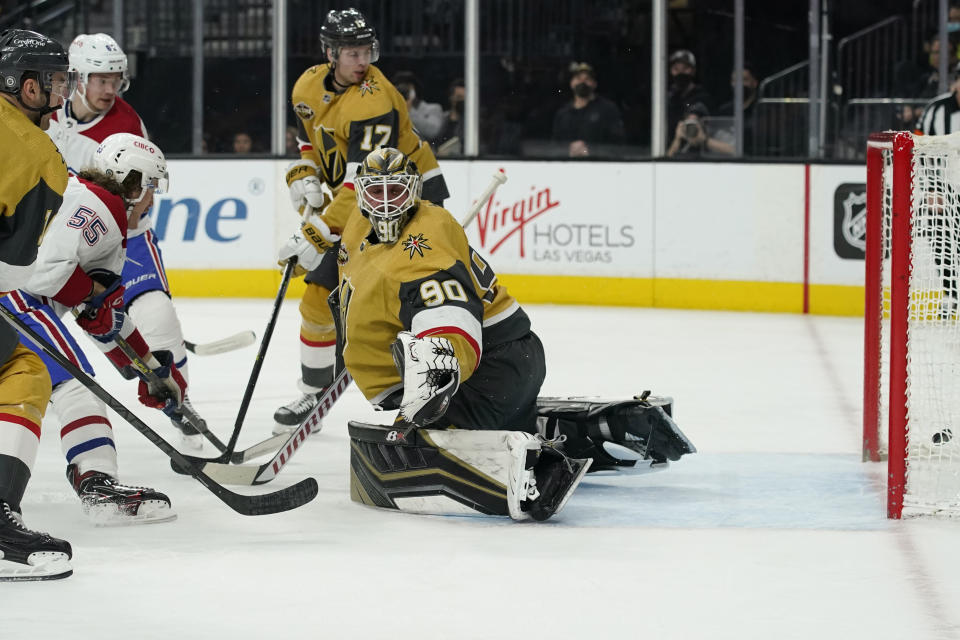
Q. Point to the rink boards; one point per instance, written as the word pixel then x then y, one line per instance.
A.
pixel 761 237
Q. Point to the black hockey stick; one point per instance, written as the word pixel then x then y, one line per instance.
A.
pixel 258 362
pixel 230 343
pixel 157 387
pixel 260 474
pixel 283 500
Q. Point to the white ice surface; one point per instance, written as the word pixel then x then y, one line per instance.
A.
pixel 774 530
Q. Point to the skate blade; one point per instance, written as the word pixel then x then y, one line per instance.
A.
pixel 43 565
pixel 191 444
pixel 285 429
pixel 150 512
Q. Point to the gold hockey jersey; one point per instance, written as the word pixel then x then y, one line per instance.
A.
pixel 341 129
pixel 432 283
pixel 33 177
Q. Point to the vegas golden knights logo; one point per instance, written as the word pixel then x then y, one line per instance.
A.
pixel 331 160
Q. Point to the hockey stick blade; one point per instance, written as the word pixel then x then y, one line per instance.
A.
pixel 283 500
pixel 239 474
pixel 230 343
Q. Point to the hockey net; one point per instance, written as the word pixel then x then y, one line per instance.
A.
pixel 912 334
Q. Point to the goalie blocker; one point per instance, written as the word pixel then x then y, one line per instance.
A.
pixel 508 473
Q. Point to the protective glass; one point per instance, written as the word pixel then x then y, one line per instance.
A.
pixel 361 55
pixel 103 81
pixel 60 83
pixel 159 185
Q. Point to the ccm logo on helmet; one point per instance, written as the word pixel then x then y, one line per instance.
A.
pixel 143 146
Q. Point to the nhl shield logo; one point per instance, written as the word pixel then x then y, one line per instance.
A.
pixel 854 224
pixel 850 221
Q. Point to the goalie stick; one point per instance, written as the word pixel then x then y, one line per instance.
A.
pixel 230 343
pixel 283 500
pixel 249 474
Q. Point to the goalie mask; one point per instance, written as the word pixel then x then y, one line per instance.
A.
pixel 123 154
pixel 388 192
pixel 348 28
pixel 98 53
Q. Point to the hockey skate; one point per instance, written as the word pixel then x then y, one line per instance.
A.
pixel 27 554
pixel 291 415
pixel 556 477
pixel 638 433
pixel 107 502
pixel 190 438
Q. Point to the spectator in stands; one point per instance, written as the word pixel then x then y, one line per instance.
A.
pixel 242 142
pixel 920 77
pixel 427 117
pixel 450 140
pixel 690 136
pixel 589 119
pixel 942 115
pixel 723 140
pixel 683 90
pixel 291 149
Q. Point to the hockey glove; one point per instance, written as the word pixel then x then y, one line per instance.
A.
pixel 306 188
pixel 431 375
pixel 103 314
pixel 308 245
pixel 169 396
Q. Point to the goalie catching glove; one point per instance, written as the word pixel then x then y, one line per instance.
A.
pixel 431 375
pixel 306 188
pixel 308 245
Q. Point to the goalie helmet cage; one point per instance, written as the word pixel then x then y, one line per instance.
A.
pixel 912 333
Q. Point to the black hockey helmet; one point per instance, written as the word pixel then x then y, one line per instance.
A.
pixel 22 52
pixel 348 28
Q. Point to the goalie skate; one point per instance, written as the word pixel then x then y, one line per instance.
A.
pixel 30 555
pixel 638 433
pixel 107 502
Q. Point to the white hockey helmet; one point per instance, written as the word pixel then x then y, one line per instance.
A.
pixel 98 53
pixel 121 153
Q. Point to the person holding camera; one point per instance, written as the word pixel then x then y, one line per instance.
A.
pixel 690 137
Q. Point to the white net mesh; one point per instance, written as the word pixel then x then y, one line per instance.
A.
pixel 933 331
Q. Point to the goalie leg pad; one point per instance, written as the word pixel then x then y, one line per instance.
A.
pixel 644 426
pixel 448 472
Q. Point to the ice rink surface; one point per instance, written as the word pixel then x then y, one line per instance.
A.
pixel 774 530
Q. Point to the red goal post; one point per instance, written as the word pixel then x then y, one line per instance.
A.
pixel 911 392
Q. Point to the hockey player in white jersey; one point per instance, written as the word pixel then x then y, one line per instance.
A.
pixel 78 267
pixel 94 112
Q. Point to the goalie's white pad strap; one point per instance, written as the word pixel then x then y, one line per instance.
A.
pixel 502 456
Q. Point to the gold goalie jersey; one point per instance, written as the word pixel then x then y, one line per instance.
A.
pixel 430 282
pixel 341 129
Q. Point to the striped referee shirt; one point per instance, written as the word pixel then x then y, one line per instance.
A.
pixel 941 116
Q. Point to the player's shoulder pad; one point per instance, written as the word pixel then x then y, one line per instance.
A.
pixel 101 198
pixel 433 236
pixel 310 81
pixel 122 118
